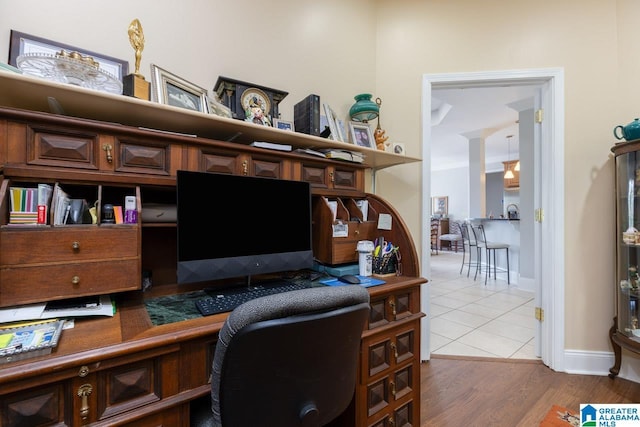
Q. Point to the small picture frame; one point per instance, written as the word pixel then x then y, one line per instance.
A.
pixel 398 148
pixel 361 134
pixel 167 88
pixel 331 122
pixel 21 44
pixel 440 206
pixel 283 125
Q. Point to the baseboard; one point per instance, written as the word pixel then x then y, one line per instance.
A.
pixel 599 363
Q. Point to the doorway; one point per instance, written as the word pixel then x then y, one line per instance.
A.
pixel 549 194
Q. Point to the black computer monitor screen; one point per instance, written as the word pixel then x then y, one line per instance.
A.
pixel 239 226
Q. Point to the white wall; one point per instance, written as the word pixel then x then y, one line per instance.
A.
pixel 453 183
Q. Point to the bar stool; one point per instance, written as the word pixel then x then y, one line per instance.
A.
pixel 470 241
pixel 491 248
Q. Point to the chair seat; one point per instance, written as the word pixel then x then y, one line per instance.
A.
pixel 492 245
pixel 451 237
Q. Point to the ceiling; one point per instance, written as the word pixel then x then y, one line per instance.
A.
pixel 460 114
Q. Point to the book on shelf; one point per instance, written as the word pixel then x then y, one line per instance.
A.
pixel 271 145
pixel 306 115
pixel 350 156
pixel 29 339
pixel 310 152
pixel 28 205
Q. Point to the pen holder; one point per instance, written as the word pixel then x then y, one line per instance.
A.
pixel 385 264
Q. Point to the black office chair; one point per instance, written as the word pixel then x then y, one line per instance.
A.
pixel 287 360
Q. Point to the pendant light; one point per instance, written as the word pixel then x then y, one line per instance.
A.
pixel 509 173
pixel 517 166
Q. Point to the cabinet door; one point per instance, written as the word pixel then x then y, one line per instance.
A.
pixel 329 176
pixel 390 381
pixel 628 243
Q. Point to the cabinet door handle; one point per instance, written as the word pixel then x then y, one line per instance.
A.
pixel 245 167
pixel 84 391
pixel 392 386
pixel 390 421
pixel 395 350
pixel 392 304
pixel 331 177
pixel 108 148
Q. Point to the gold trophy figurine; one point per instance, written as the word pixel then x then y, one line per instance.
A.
pixel 135 84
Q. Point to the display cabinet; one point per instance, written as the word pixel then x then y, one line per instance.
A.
pixel 625 332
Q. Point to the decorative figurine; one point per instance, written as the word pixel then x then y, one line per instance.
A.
pixel 135 84
pixel 379 133
pixel 256 114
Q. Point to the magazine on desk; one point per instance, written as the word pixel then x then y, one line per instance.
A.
pixel 30 339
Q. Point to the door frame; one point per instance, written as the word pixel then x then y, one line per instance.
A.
pixel 550 283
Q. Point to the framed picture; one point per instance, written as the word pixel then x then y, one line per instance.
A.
pixel 440 205
pixel 398 148
pixel 331 122
pixel 361 134
pixel 342 134
pixel 167 88
pixel 21 43
pixel 283 124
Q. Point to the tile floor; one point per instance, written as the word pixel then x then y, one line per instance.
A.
pixel 471 319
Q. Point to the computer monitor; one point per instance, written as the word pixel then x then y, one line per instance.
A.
pixel 239 226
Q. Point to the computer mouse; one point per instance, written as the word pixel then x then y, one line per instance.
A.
pixel 350 279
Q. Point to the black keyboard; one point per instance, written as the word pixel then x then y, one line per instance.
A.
pixel 228 299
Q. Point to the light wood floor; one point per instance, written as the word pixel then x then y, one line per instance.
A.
pixel 460 391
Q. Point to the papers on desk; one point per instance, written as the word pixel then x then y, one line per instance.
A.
pixel 91 306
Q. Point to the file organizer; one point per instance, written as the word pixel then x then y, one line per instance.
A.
pixel 328 249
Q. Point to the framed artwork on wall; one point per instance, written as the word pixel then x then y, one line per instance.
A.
pixel 440 205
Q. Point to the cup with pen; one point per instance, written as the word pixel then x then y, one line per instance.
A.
pixel 386 259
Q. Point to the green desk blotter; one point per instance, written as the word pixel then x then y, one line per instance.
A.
pixel 174 308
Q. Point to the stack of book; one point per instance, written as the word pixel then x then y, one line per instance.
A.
pixel 29 205
pixel 348 155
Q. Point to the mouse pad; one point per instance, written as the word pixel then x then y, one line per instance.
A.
pixel 364 281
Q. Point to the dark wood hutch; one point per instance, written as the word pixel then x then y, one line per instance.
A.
pixel 124 370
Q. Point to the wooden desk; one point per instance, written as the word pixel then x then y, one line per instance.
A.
pixel 139 374
pixel 124 370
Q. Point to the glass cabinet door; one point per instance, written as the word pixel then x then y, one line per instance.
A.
pixel 628 243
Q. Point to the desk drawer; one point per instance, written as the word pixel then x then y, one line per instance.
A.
pixel 72 243
pixel 24 285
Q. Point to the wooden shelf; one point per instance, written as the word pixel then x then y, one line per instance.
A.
pixel 32 93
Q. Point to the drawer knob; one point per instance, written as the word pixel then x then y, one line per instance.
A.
pixel 75 246
pixel 84 371
pixel 84 391
pixel 75 280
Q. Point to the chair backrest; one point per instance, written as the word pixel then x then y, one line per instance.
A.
pixel 455 227
pixel 289 359
pixel 467 234
pixel 478 232
pixel 435 230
